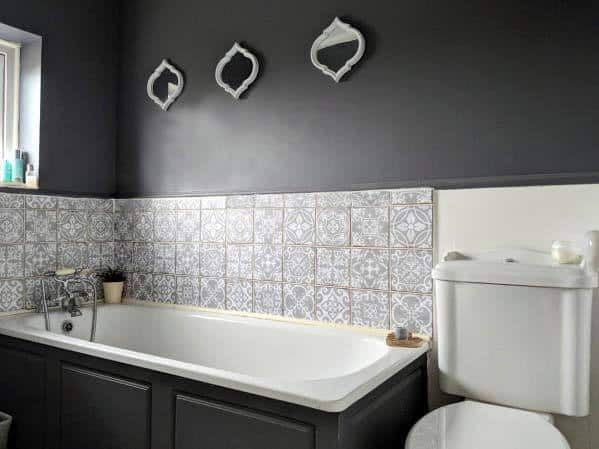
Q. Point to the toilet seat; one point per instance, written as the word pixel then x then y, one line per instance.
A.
pixel 473 425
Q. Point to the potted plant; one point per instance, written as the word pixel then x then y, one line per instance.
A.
pixel 112 282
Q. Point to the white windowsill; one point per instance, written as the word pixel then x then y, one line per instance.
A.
pixel 17 185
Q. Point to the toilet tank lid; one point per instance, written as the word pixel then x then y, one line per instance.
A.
pixel 513 267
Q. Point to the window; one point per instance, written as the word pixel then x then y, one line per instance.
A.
pixel 10 57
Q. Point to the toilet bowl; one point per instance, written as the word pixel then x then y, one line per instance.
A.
pixel 473 425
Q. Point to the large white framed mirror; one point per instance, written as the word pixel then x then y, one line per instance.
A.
pixel 165 84
pixel 337 49
pixel 237 70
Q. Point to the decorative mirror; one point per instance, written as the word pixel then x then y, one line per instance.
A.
pixel 236 70
pixel 165 84
pixel 337 49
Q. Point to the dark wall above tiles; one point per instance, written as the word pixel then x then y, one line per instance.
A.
pixel 79 90
pixel 475 93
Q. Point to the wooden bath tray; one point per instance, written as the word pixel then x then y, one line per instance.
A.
pixel 411 342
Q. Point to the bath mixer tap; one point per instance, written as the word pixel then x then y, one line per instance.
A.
pixel 70 299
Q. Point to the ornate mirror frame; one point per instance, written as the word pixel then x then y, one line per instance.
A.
pixel 236 48
pixel 172 96
pixel 337 23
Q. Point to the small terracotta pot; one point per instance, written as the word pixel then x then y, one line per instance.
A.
pixel 113 292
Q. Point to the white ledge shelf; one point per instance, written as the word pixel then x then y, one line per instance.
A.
pixel 17 185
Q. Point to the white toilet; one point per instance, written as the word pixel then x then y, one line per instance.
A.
pixel 514 338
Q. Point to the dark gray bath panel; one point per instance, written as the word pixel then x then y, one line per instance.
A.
pixel 62 399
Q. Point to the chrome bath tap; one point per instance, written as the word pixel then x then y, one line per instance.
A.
pixel 70 297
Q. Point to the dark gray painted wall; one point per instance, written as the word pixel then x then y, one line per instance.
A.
pixel 447 90
pixel 79 90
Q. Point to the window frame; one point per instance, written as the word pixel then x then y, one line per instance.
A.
pixel 9 140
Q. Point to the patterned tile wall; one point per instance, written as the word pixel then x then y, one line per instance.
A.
pixel 41 233
pixel 361 258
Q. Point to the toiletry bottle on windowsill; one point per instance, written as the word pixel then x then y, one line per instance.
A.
pixel 30 176
pixel 6 171
pixel 18 168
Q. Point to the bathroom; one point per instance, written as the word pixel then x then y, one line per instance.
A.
pixel 278 230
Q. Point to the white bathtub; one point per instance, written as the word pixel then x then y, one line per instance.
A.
pixel 323 368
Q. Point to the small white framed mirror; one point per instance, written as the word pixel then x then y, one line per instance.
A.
pixel 165 84
pixel 237 70
pixel 337 49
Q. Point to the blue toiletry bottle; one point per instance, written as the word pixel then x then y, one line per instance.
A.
pixel 18 168
pixel 7 171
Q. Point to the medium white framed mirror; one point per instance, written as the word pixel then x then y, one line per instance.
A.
pixel 237 70
pixel 165 84
pixel 337 49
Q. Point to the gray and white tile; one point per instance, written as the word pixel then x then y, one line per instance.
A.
pixel 40 226
pixel 332 226
pixel 334 199
pixel 268 262
pixel 41 202
pixel 240 225
pixel 39 258
pixel 298 301
pixel 298 264
pixel 12 295
pixel 101 227
pixel 143 257
pixel 12 261
pixel 214 202
pixel 188 290
pixel 412 226
pixel 268 298
pixel 240 201
pixel 212 259
pixel 124 226
pixel 143 226
pixel 411 270
pixel 189 226
pixel 165 226
pixel 212 293
pixel 72 225
pixel 412 311
pixel 370 226
pixel 213 225
pixel 101 255
pixel 12 226
pixel 124 256
pixel 300 200
pixel 268 226
pixel 370 308
pixel 164 204
pixel 269 200
pixel 333 266
pixel 370 268
pixel 412 196
pixel 189 203
pixel 239 261
pixel 141 286
pixel 239 295
pixel 333 305
pixel 164 288
pixel 73 255
pixel 188 259
pixel 164 258
pixel 300 226
pixel 11 201
pixel 371 198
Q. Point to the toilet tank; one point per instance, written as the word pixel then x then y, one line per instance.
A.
pixel 515 329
